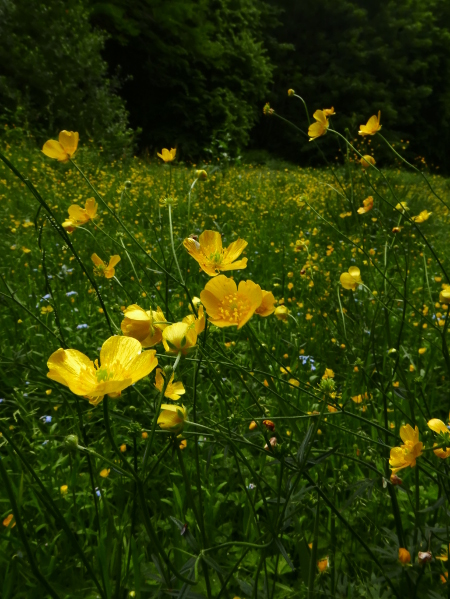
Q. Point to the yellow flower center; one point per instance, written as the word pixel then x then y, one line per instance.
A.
pixel 234 307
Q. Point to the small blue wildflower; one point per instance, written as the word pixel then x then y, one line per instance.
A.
pixel 251 486
pixel 70 293
pixel 82 326
pixel 46 419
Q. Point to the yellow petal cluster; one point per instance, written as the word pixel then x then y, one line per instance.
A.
pixel 367 161
pixel 367 205
pixel 211 256
pixel 168 155
pixel 179 338
pixel 372 125
pixel 422 217
pixel 320 126
pixel 122 363
pixel 105 270
pixel 63 149
pixel 351 279
pixel 172 418
pixel 406 454
pixel 144 325
pixel 437 426
pixel 173 390
pixel 79 216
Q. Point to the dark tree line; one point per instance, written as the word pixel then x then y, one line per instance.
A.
pixel 196 73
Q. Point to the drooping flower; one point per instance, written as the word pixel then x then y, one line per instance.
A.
pixel 437 426
pixel 351 279
pixel 422 217
pixel 79 216
pixel 372 126
pixel 320 126
pixel 179 338
pixel 144 325
pixel 211 256
pixel 63 149
pixel 172 418
pixel 229 305
pixel 122 363
pixel 201 174
pixel 367 160
pixel 404 555
pixel 282 313
pixel 173 390
pixel 267 306
pixel 198 322
pixel 367 205
pixel 406 454
pixel 329 111
pixel 103 270
pixel 168 155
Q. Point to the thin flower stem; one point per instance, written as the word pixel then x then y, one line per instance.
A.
pixel 173 245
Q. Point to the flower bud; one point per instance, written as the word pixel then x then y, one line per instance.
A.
pixel 128 184
pixel 291 92
pixel 404 555
pixel 201 174
pixel 71 443
pixel 168 369
pixel 252 426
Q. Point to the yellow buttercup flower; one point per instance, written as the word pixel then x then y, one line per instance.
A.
pixel 282 313
pixel 329 111
pixel 437 426
pixel 105 472
pixel 367 205
pixel 144 325
pixel 80 216
pixel 179 338
pixel 402 207
pixel 198 322
pixel 267 306
pixel 372 126
pixel 407 454
pixel 103 270
pixel 323 564
pixel 320 126
pixel 168 155
pixel 172 418
pixel 351 279
pixel 422 217
pixel 211 256
pixel 444 295
pixel 63 149
pixel 367 161
pixel 173 390
pixel 229 305
pixel 329 374
pixel 122 363
pixel 404 555
pixel 201 174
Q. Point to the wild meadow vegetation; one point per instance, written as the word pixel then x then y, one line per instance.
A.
pixel 223 381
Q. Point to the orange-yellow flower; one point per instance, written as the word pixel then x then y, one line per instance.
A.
pixel 179 338
pixel 122 363
pixel 267 306
pixel 367 205
pixel 168 155
pixel 144 325
pixel 367 161
pixel 103 270
pixel 422 217
pixel 228 305
pixel 323 564
pixel 63 149
pixel 173 390
pixel 404 555
pixel 198 323
pixel 80 216
pixel 7 521
pixel 406 454
pixel 372 126
pixel 443 431
pixel 172 418
pixel 351 279
pixel 211 256
pixel 320 126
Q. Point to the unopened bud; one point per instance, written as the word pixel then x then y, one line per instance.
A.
pixel 128 184
pixel 71 442
pixel 168 369
pixel 201 174
pixel 291 92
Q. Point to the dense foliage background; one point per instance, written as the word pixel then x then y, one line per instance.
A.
pixel 196 73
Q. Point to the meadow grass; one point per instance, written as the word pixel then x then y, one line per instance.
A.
pixel 98 501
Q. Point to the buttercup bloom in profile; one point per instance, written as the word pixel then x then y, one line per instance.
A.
pixel 198 323
pixel 229 305
pixel 267 306
pixel 351 279
pixel 320 126
pixel 372 125
pixel 122 363
pixel 406 454
pixel 437 426
pixel 367 161
pixel 367 205
pixel 173 390
pixel 63 149
pixel 179 338
pixel 211 256
pixel 329 111
pixel 444 295
pixel 103 270
pixel 144 325
pixel 168 155
pixel 422 217
pixel 404 555
pixel 402 207
pixel 282 313
pixel 172 418
pixel 79 216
